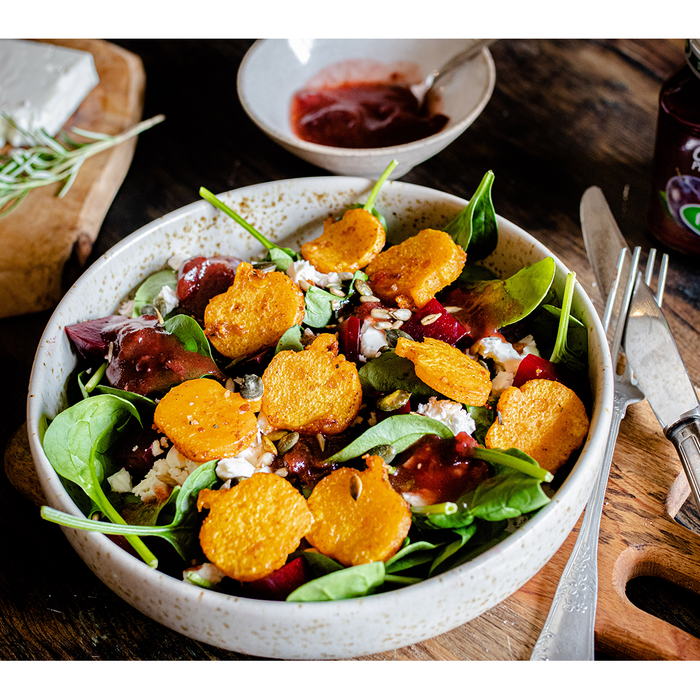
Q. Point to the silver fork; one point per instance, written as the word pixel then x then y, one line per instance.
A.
pixel 568 632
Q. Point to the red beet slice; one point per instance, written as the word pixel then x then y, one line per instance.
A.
pixel 445 327
pixel 91 339
pixel 201 278
pixel 279 584
pixel 349 335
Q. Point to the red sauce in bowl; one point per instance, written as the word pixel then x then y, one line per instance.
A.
pixel 362 115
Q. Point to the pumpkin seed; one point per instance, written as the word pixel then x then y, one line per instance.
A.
pixel 252 387
pixel 393 335
pixel 286 443
pixel 386 452
pixel 264 265
pixel 393 401
pixel 268 445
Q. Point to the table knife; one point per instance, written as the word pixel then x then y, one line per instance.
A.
pixel 661 375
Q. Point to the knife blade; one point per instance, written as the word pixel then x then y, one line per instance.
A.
pixel 661 374
pixel 602 238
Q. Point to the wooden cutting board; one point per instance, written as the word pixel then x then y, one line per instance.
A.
pixel 639 537
pixel 46 240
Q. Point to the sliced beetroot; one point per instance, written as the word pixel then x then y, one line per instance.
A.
pixel 534 367
pixel 147 359
pixel 439 324
pixel 279 584
pixel 91 339
pixel 201 278
pixel 136 454
pixel 349 338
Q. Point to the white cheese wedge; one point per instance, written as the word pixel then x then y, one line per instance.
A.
pixel 41 86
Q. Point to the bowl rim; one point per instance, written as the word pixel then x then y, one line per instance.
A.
pixel 292 141
pixel 307 612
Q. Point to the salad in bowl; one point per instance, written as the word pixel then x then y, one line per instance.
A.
pixel 359 413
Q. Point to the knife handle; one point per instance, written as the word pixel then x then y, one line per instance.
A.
pixel 685 436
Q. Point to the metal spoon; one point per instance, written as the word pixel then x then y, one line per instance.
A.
pixel 420 90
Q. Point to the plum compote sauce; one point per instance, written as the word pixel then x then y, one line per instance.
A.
pixel 439 470
pixel 363 114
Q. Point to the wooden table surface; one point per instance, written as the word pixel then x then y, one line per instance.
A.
pixel 565 114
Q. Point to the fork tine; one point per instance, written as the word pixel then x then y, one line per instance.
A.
pixel 649 274
pixel 622 316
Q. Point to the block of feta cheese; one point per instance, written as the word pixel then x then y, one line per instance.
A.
pixel 41 86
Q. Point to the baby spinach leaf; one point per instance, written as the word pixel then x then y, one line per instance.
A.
pixel 410 556
pixel 76 443
pixel 203 477
pixel 506 301
pixel 390 372
pixel 571 345
pixel 392 431
pixel 321 564
pixel 507 494
pixel 268 245
pixel 369 204
pixel 474 273
pixel 189 333
pixel 515 459
pixel 281 258
pixel 475 228
pixel 483 416
pixel 290 340
pixel 450 549
pixel 319 309
pixel 353 582
pixel 151 287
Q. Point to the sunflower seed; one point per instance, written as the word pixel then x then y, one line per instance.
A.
pixel 430 319
pixel 383 325
pixel 363 288
pixel 453 309
pixel 368 298
pixel 355 487
pixel 402 314
pixel 337 291
pixel 321 441
pixel 380 313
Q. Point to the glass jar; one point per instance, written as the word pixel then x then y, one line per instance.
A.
pixel 674 211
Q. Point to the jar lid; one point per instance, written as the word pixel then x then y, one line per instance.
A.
pixel 692 55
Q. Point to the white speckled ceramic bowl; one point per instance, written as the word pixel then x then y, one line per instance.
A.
pixel 291 211
pixel 273 70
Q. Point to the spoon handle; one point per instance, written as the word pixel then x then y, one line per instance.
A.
pixel 472 50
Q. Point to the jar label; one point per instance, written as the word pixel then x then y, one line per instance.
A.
pixel 690 214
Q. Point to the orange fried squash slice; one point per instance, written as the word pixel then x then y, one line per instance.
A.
pixel 254 313
pixel 411 273
pixel 543 418
pixel 206 421
pixel 253 527
pixel 447 370
pixel 358 516
pixel 347 245
pixel 312 391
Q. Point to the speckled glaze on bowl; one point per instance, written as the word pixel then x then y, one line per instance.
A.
pixel 291 211
pixel 273 70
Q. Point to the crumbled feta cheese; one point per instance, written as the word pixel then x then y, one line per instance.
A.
pixel 121 481
pixel 501 382
pixel 414 499
pixel 203 575
pixel 234 468
pixel 506 357
pixel 127 309
pixel 172 470
pixel 305 274
pixel 175 261
pixel 449 413
pixel 156 448
pixel 255 458
pixel 371 340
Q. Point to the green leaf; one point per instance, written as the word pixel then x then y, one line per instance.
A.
pixel 411 555
pixel 475 228
pixel 515 459
pixel 450 549
pixel 290 340
pixel 319 309
pixel 507 494
pixel 321 564
pixel 353 582
pixel 151 287
pixel 571 345
pixel 392 431
pixel 189 333
pixel 509 300
pixel 75 444
pixel 389 372
pixel 203 477
pixel 281 258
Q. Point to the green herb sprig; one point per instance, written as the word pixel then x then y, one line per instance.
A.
pixel 51 160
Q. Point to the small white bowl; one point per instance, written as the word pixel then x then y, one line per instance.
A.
pixel 289 212
pixel 273 70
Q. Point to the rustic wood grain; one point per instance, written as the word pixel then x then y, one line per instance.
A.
pixel 46 241
pixel 565 114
